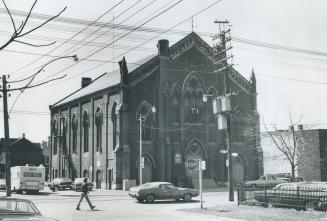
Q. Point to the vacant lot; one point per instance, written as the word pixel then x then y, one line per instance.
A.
pixel 258 213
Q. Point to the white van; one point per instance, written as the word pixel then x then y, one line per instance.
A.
pixel 27 178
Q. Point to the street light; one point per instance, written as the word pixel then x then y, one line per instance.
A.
pixel 141 119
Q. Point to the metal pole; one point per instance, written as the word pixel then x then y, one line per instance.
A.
pixel 200 182
pixel 230 163
pixel 140 163
pixel 6 141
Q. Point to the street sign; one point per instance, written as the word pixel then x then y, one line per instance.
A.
pixel 191 164
pixel 203 165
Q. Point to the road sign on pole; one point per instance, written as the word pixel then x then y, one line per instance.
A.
pixel 190 164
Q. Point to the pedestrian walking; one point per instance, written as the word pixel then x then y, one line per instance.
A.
pixel 85 191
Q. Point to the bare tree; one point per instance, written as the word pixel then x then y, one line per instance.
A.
pixel 290 143
pixel 19 31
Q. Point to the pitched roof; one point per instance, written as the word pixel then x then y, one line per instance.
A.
pixel 105 80
pixel 112 79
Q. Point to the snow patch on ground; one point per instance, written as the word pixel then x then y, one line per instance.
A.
pixel 258 213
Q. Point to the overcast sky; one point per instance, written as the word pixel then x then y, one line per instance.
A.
pixel 287 81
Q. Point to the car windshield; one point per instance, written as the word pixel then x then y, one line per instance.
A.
pixel 147 185
pixel 14 206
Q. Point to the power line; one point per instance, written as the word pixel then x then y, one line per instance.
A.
pixel 120 37
pixel 20 68
pixel 164 31
pixel 278 47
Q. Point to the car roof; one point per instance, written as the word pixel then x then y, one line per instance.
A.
pixel 13 198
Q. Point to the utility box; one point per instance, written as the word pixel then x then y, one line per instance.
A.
pixel 222 122
pixel 225 103
pixel 216 106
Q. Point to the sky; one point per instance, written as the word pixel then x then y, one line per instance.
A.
pixel 289 84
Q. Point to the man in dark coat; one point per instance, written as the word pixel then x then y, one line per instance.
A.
pixel 85 191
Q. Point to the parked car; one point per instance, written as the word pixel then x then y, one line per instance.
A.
pixel 267 181
pixel 2 184
pixel 20 209
pixel 60 184
pixel 161 190
pixel 78 182
pixel 304 195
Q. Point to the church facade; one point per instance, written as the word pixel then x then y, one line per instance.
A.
pixel 95 131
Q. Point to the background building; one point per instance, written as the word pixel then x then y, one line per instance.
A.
pixel 312 154
pixel 95 130
pixel 22 152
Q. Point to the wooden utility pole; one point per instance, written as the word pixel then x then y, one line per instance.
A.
pixel 6 128
pixel 221 64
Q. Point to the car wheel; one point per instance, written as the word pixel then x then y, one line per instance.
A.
pixel 270 204
pixel 309 205
pixel 187 197
pixel 150 198
pixel 140 200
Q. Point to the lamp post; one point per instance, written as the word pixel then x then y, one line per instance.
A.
pixel 141 119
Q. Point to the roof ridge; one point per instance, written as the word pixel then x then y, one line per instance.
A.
pixel 78 90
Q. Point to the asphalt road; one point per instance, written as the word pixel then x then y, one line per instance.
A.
pixel 117 205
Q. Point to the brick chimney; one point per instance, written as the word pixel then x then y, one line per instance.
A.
pixel 86 81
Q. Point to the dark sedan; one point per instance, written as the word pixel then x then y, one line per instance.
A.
pixel 20 209
pixel 160 191
pixel 303 195
pixel 60 184
pixel 78 182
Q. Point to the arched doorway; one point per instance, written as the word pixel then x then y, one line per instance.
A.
pixel 86 174
pixel 194 154
pixel 98 180
pixel 147 170
pixel 238 170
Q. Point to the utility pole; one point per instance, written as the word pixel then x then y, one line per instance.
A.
pixel 221 57
pixel 6 128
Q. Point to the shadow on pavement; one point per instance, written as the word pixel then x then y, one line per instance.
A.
pixel 170 202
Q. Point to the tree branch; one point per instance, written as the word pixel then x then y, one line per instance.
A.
pixel 11 18
pixel 36 85
pixel 26 19
pixel 39 26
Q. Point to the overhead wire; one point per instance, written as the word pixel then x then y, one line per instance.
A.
pixel 117 39
pixel 164 31
pixel 20 68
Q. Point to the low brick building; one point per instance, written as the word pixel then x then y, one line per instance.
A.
pixel 95 130
pixel 22 152
pixel 312 154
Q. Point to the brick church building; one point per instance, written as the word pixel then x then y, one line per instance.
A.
pixel 95 130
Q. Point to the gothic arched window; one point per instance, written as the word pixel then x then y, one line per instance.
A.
pixel 176 107
pixel 98 126
pixel 55 136
pixel 200 105
pixel 86 125
pixel 74 132
pixel 147 118
pixel 115 126
pixel 187 106
pixel 64 134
